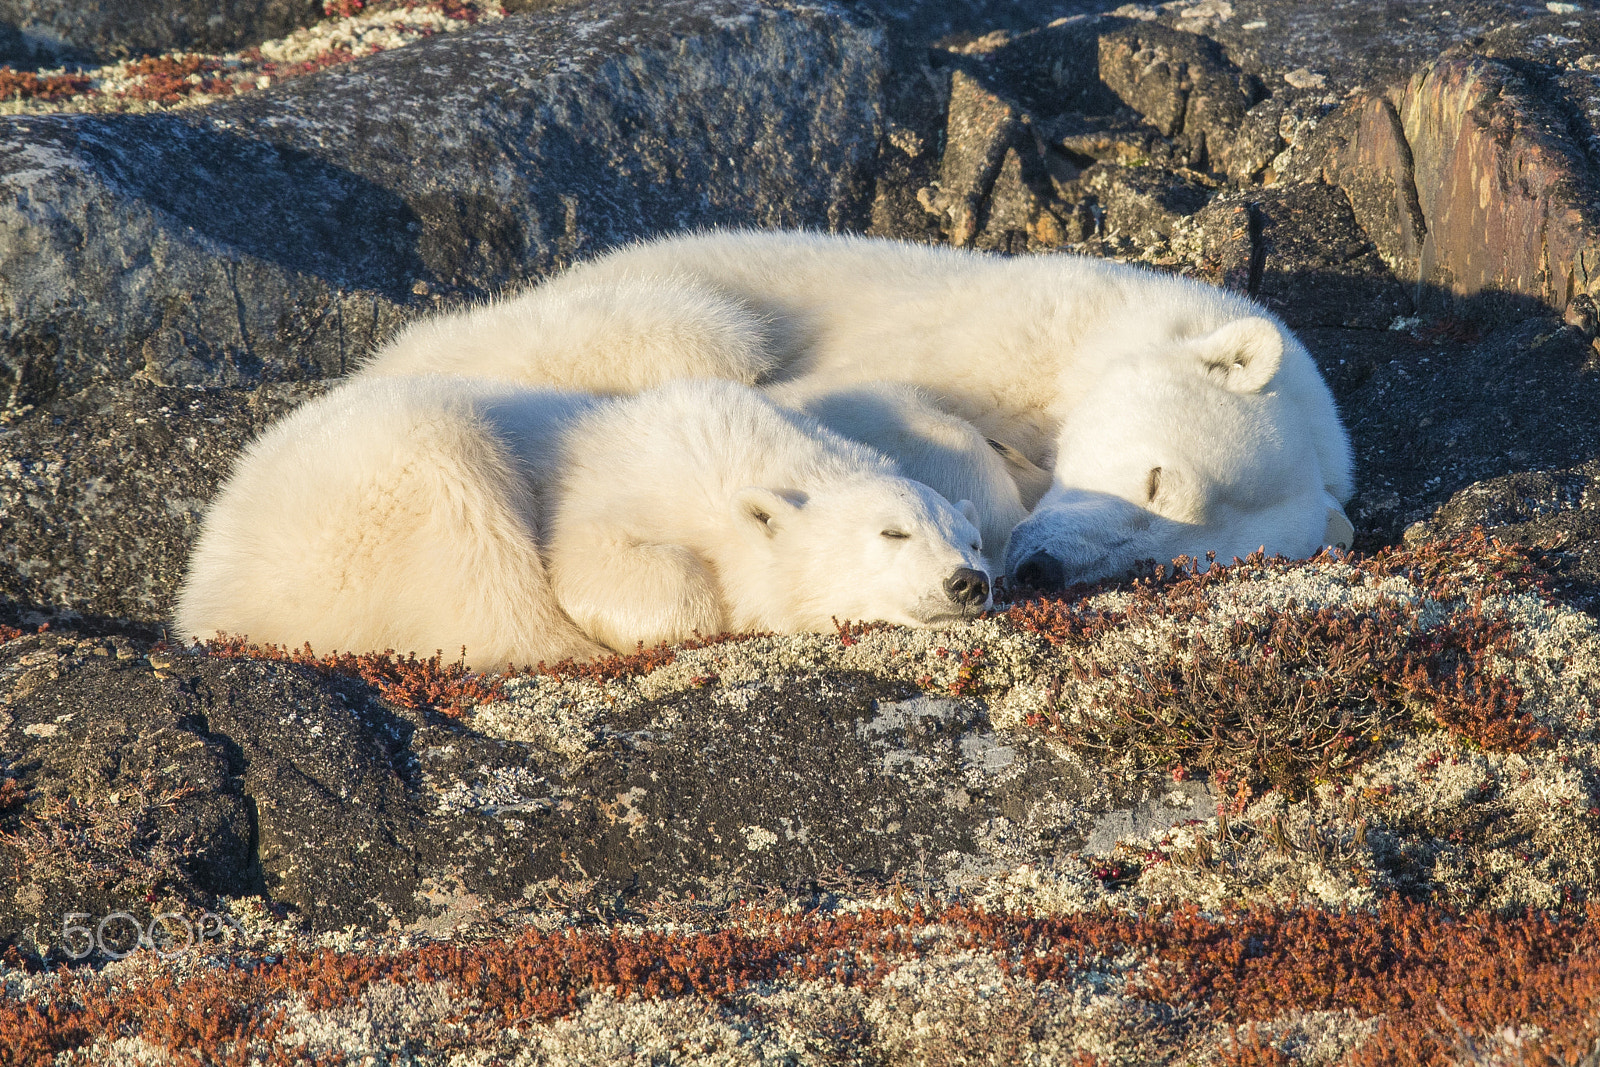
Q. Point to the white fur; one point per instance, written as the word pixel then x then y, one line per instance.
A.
pixel 615 336
pixel 423 513
pixel 927 444
pixel 1095 371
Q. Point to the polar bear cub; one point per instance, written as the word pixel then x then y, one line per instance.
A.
pixel 431 512
pixel 928 444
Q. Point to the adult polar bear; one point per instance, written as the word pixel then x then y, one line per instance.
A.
pixel 1175 419
pixel 534 524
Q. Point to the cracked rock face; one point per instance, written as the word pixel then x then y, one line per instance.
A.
pixel 308 218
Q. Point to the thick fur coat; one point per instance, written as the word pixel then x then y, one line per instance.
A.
pixel 1171 417
pixel 425 513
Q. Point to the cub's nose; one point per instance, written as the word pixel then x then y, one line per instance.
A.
pixel 967 586
pixel 1042 571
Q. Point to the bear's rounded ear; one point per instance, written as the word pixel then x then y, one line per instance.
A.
pixel 970 510
pixel 755 508
pixel 1340 532
pixel 1245 352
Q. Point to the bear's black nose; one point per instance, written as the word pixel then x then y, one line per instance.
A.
pixel 1042 571
pixel 967 586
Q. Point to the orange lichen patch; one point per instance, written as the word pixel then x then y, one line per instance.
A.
pixel 26 85
pixel 168 79
pixel 282 71
pixel 1406 964
pixel 1287 694
pixel 10 633
pixel 406 681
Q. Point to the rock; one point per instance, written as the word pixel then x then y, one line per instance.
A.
pixel 696 776
pixel 1183 85
pixel 1373 165
pixel 1055 69
pixel 51 31
pixel 1225 241
pixel 1350 43
pixel 203 778
pixel 102 493
pixel 1556 510
pixel 1145 204
pixel 981 128
pixel 1436 406
pixel 1019 217
pixel 1506 214
pixel 1476 192
pixel 304 223
pixel 225 776
pixel 143 803
pixel 1298 250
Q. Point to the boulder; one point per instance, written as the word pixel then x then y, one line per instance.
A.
pixel 50 31
pixel 310 219
pixel 1183 85
pixel 1297 249
pixel 102 492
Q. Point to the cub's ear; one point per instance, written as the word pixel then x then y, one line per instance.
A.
pixel 1340 532
pixel 970 510
pixel 758 509
pixel 1246 353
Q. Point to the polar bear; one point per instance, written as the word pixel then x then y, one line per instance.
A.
pixel 928 444
pixel 1173 418
pixel 431 512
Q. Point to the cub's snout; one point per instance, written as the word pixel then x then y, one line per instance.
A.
pixel 968 587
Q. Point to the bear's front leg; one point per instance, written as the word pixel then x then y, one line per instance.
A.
pixel 622 591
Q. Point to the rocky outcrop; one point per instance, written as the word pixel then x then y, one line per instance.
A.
pixel 1042 770
pixel 310 220
pixel 50 31
pixel 128 464
pixel 1478 194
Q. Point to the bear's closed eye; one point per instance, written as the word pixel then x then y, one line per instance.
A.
pixel 896 535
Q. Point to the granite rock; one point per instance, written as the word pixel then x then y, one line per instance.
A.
pixel 309 219
pixel 50 31
pixel 102 492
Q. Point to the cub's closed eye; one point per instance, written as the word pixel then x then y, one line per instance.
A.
pixel 896 535
pixel 1152 484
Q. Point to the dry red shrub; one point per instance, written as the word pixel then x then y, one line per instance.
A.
pixel 167 79
pixel 638 663
pixel 1290 695
pixel 9 633
pixel 402 680
pixel 26 85
pixel 1404 964
pixel 11 794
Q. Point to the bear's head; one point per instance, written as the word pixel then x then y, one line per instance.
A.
pixel 873 547
pixel 1227 443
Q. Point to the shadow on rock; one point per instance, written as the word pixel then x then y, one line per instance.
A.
pixel 268 200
